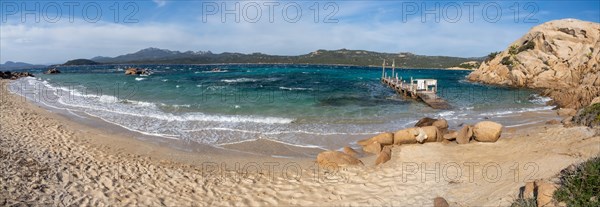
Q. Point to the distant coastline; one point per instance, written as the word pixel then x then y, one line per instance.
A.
pixel 282 63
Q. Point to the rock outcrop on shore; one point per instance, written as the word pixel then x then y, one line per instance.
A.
pixel 560 56
pixel 14 75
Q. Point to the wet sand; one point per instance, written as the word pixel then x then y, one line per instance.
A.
pixel 52 159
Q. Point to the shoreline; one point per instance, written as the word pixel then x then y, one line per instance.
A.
pixel 123 140
pixel 105 165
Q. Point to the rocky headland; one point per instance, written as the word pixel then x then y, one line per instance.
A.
pixel 560 57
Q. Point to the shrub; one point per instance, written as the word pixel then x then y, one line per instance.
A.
pixel 491 56
pixel 524 202
pixel 581 186
pixel 513 50
pixel 527 46
pixel 588 116
pixel 506 61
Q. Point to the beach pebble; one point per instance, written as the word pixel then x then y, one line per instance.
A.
pixel 106 182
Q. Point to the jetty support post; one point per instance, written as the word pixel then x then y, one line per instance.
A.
pixel 383 69
pixel 393 68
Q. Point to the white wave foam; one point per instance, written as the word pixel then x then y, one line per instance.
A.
pixel 516 111
pixel 538 99
pixel 246 80
pixel 445 113
pixel 107 99
pixel 276 132
pixel 240 80
pixel 220 71
pixel 295 89
pixel 273 140
pixel 140 79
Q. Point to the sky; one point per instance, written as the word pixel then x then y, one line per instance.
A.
pixel 50 32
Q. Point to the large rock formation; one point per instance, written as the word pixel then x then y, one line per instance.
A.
pixel 561 56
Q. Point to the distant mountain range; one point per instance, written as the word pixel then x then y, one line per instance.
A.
pixel 10 65
pixel 342 56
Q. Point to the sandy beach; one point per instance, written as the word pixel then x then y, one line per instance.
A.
pixel 50 159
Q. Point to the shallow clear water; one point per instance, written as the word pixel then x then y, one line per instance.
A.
pixel 307 105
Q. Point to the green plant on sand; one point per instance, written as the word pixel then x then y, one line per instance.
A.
pixel 588 116
pixel 580 186
pixel 524 202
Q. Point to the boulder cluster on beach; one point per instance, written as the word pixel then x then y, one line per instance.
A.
pixel 14 75
pixel 425 130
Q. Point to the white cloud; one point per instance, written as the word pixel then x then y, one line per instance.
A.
pixel 61 42
pixel 56 43
pixel 160 3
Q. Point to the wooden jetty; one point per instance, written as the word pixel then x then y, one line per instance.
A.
pixel 420 89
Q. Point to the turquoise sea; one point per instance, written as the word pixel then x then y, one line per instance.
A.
pixel 307 105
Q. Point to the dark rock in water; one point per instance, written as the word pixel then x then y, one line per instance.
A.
pixel 137 71
pixel 52 71
pixel 588 116
pixel 425 122
pixel 131 71
pixel 14 75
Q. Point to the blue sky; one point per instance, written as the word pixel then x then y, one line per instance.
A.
pixel 67 29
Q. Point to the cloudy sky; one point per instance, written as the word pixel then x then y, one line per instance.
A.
pixel 47 32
